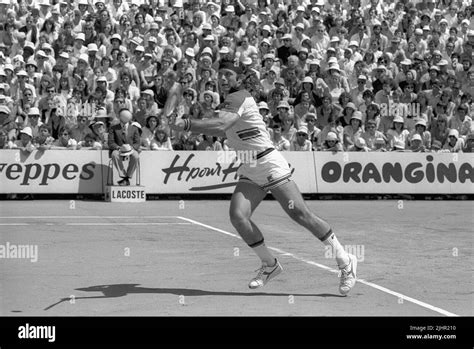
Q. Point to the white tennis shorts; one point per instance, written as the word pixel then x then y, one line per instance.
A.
pixel 268 172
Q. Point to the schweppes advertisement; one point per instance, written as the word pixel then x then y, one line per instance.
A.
pixel 52 172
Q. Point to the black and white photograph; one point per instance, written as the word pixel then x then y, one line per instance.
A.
pixel 205 164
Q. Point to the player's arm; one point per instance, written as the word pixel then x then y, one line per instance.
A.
pixel 213 127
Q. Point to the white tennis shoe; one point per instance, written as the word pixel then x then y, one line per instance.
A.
pixel 265 274
pixel 348 275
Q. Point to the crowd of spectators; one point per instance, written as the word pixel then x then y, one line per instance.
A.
pixel 357 75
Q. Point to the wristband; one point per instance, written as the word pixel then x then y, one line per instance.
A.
pixel 187 125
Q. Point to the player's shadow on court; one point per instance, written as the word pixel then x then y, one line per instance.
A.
pixel 121 290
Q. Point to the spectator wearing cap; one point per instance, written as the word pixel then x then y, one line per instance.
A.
pixel 358 91
pixel 420 43
pixel 354 130
pixel 33 121
pixel 454 144
pixel 151 106
pixel 286 50
pixel 79 47
pixel 398 134
pixel 25 143
pixel 187 102
pixel 308 85
pixel 301 141
pixel 230 19
pixel 205 107
pixel 331 143
pixel 359 145
pixel 421 129
pixel 265 114
pixel 217 29
pixel 20 84
pixel 416 144
pixel 99 130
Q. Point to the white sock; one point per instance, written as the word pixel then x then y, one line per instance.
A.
pixel 342 258
pixel 264 253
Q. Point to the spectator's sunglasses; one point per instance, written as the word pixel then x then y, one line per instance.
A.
pixel 310 120
pixel 301 134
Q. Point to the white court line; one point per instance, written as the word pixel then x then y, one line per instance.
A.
pixel 14 223
pixel 140 223
pixel 362 281
pixel 80 217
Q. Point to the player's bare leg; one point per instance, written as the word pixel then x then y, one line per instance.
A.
pixel 244 201
pixel 290 198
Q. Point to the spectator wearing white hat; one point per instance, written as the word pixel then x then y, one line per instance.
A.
pixel 25 143
pixel 301 141
pixel 359 145
pixel 331 143
pixel 421 128
pixel 33 121
pixel 265 113
pixel 298 36
pixel 398 134
pixel 230 19
pixel 354 130
pixel 79 47
pixel 455 144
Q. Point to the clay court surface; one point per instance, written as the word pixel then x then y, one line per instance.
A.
pixel 184 259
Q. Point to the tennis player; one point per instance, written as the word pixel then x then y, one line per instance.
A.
pixel 240 121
